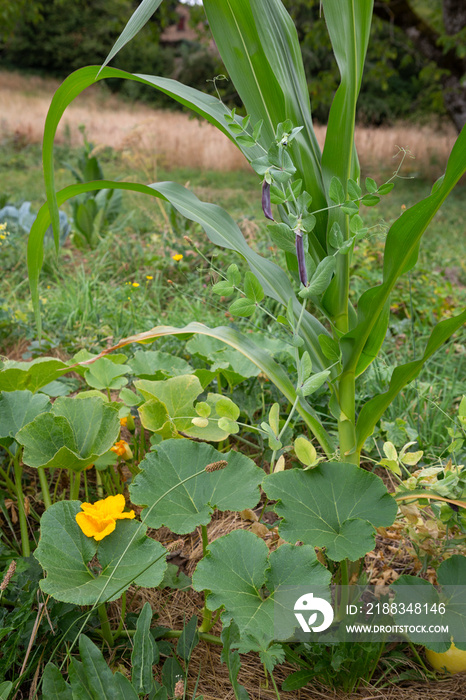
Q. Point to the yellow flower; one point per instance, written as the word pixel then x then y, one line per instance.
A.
pixel 122 449
pixel 123 422
pixel 99 519
pixel 135 284
pixel 177 257
pixel 149 277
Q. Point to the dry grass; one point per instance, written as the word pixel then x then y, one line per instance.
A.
pixel 175 140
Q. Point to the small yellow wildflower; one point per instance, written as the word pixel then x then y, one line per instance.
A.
pixel 149 277
pixel 135 284
pixel 99 519
pixel 177 257
pixel 122 449
pixel 123 422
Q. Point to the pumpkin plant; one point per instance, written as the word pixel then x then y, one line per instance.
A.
pixel 320 201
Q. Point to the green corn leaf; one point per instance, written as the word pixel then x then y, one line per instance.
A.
pixel 221 230
pixel 334 505
pixel 372 411
pixel 270 78
pixel 401 252
pixel 138 19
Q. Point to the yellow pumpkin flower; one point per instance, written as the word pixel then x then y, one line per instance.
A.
pixel 122 449
pixel 177 257
pixel 99 519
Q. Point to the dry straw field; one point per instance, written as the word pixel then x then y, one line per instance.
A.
pixel 174 139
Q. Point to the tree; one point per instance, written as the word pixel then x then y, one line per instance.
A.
pixel 437 28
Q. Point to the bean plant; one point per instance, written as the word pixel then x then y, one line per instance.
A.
pixel 317 220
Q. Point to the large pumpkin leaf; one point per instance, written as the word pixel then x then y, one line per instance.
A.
pixel 335 505
pixel 31 375
pixel 125 556
pixel 239 568
pixel 169 409
pixel 451 576
pixel 18 408
pixel 191 504
pixel 153 364
pixel 72 435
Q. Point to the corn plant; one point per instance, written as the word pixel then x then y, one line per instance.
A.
pixel 319 197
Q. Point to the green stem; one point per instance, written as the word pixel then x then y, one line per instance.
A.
pixel 10 484
pixel 206 624
pixel 105 624
pixel 346 423
pixel 176 634
pixel 44 484
pixel 275 686
pixel 98 478
pixel 23 525
pixel 74 487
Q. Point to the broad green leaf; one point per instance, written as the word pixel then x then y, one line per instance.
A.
pixel 231 657
pixel 172 672
pixel 101 682
pixel 320 279
pixel 188 639
pixel 138 19
pixel 232 363
pixel 253 288
pixel 336 192
pixel 255 354
pixel 54 686
pixel 330 348
pixel 311 385
pixel 335 505
pixel 143 654
pixel 451 575
pixel 78 680
pixel 191 504
pixel 170 409
pixel 371 185
pixel 18 408
pixel 125 556
pixel 274 417
pixel 373 409
pixel 401 252
pixel 31 375
pixel 305 451
pixel 104 374
pixel 242 560
pixel 242 307
pixel 283 237
pixel 71 435
pixel 223 288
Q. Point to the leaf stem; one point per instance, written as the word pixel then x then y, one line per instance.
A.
pixel 105 624
pixel 23 525
pixel 44 484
